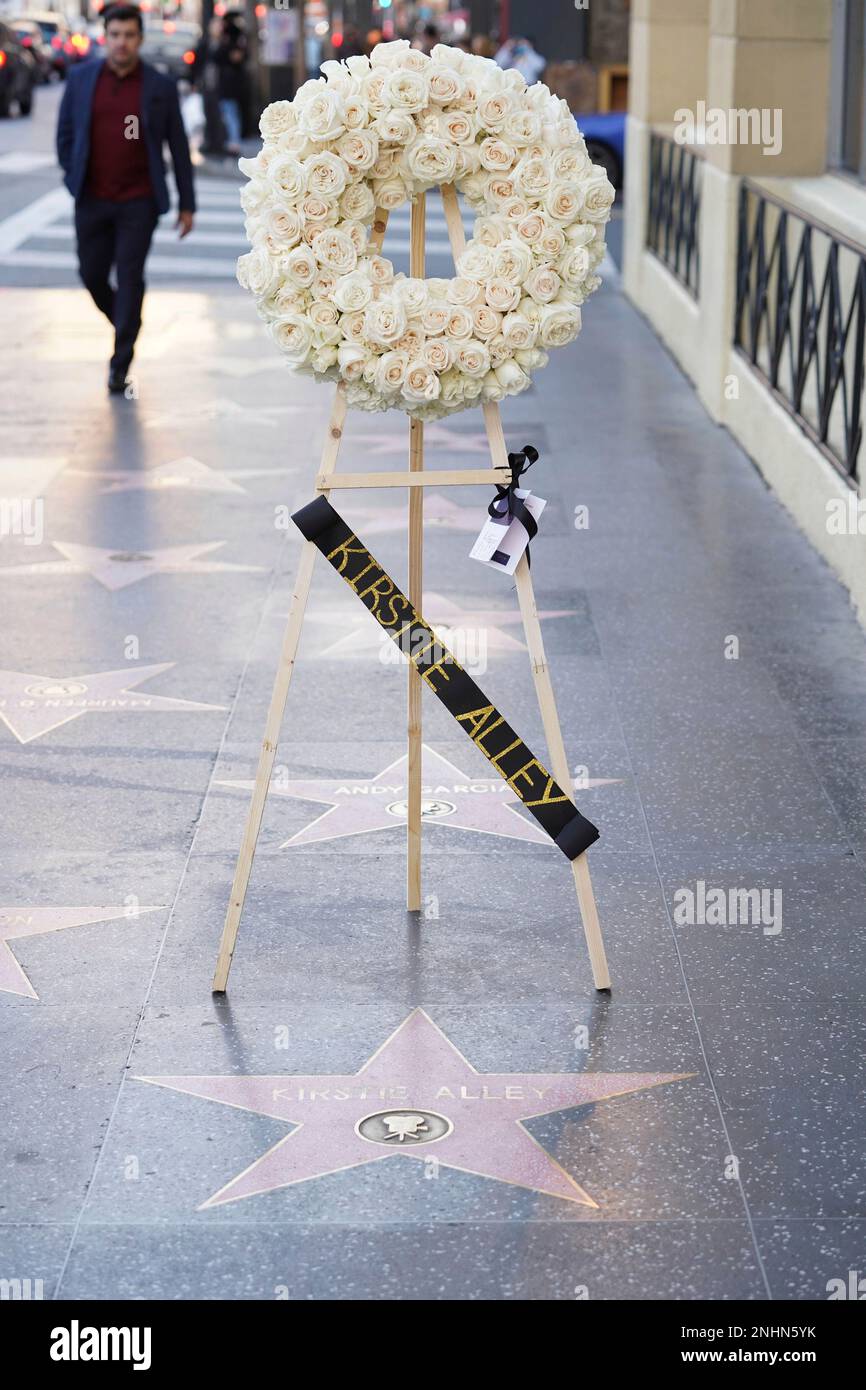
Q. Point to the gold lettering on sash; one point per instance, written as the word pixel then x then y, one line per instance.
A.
pixel 518 743
pixel 546 799
pixel 437 666
pixel 344 549
pixel 379 593
pixel 476 718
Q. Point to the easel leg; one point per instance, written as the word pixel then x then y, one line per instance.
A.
pixel 550 719
pixel 244 865
pixel 279 695
pixel 416 551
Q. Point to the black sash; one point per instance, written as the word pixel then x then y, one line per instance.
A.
pixel 527 777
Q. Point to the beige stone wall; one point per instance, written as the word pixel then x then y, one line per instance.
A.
pixel 762 54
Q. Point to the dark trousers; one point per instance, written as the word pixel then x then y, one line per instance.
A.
pixel 117 234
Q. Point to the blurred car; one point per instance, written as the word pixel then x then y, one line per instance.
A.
pixel 31 38
pixel 18 73
pixel 57 37
pixel 604 133
pixel 169 45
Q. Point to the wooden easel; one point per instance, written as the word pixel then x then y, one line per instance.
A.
pixel 416 480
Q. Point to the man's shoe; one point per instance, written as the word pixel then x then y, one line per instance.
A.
pixel 117 383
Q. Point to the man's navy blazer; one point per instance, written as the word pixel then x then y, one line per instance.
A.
pixel 161 123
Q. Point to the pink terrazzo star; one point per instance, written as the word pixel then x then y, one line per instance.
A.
pixel 417 1097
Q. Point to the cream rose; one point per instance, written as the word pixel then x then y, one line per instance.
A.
pixel 390 371
pixel 353 292
pixel 300 267
pixel 359 150
pixel 542 284
pixel 501 294
pixel 497 155
pixel 560 322
pixel 334 250
pixel 598 196
pixel 276 118
pixel 405 91
pixel 385 320
pixel 322 118
pixel 293 335
pixel 431 160
pixel 420 382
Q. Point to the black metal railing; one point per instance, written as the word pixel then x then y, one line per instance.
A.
pixel 801 320
pixel 674 213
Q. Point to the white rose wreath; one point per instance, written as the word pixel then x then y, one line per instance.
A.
pixel 374 132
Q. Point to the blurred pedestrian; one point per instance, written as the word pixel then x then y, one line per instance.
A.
pixel 230 58
pixel 520 53
pixel 115 117
pixel 206 76
pixel 427 39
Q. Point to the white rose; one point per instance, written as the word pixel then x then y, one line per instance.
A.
pixel 522 127
pixel 437 353
pixel 431 160
pixel 334 250
pixel 498 349
pixel 352 327
pixel 420 383
pixel 412 294
pixel 494 108
pixel 256 272
pixel 317 212
pixel 284 228
pixel 293 335
pixel 327 174
pixel 276 118
pixel 472 358
pixel 353 292
pixel 490 388
pixel 518 331
pixel 563 202
pixel 531 228
pixel 359 149
pixel 300 267
pixel 468 164
pixel 291 142
pixel 322 118
pixel 373 90
pixel 254 195
pixel 357 203
pixel 490 230
pixel 389 372
pixel 325 322
pixel 324 284
pixel 574 266
pixel 390 193
pixel 512 260
pixel 560 323
pixel 500 191
pixel 358 65
pixel 387 55
pixel 533 177
pixel 385 320
pixel 476 263
pixel 474 188
pixel 379 269
pixel 461 291
pixel 497 155
pixel 501 294
pixel 511 377
pixel 569 165
pixel 434 318
pixel 459 323
pixel 485 321
pixel 395 127
pixel 357 112
pixel 553 242
pixel 598 195
pixel 542 284
pixel 351 358
pixel 406 91
pixel 445 84
pixel 287 177
pixel 458 127
pixel 411 343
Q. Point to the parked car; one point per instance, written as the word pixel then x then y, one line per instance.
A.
pixel 57 37
pixel 31 38
pixel 18 73
pixel 170 45
pixel 604 133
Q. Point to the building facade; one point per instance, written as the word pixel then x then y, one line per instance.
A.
pixel 745 240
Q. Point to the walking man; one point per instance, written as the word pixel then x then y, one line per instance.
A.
pixel 115 117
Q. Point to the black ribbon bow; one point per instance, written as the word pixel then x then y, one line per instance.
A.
pixel 515 508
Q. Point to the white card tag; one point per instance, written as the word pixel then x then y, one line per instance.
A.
pixel 501 543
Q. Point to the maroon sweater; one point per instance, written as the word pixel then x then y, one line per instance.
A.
pixel 118 169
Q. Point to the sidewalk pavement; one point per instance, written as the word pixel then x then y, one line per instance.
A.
pixel 705 1120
